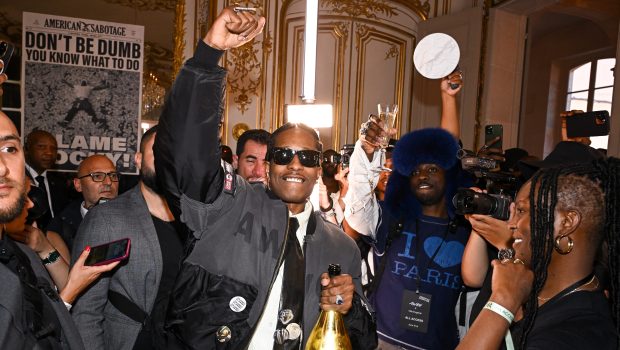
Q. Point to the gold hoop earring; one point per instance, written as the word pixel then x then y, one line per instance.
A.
pixel 559 249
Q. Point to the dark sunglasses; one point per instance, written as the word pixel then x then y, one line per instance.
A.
pixel 307 158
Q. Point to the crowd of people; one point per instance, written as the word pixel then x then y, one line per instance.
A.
pixel 228 252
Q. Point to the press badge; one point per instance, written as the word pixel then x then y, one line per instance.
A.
pixel 415 311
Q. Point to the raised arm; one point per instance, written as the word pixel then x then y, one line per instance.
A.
pixel 361 213
pixel 187 152
pixel 449 109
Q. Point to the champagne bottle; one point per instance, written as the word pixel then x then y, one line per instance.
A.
pixel 329 332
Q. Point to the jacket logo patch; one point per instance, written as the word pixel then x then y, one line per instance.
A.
pixel 228 182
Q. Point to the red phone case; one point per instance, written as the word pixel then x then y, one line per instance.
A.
pixel 124 256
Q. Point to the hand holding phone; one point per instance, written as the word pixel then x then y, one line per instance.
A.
pixel 587 124
pixel 493 136
pixel 108 253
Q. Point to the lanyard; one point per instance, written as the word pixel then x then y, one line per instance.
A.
pixel 418 252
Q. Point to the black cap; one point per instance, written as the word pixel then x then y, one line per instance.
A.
pixel 566 153
pixel 512 156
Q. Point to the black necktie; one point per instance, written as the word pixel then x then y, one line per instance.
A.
pixel 47 217
pixel 41 183
pixel 288 333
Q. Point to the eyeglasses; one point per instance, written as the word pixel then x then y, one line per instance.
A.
pixel 307 158
pixel 100 176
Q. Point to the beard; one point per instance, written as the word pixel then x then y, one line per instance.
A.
pixel 13 210
pixel 149 179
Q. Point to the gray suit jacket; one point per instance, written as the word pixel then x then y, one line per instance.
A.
pixel 11 332
pixel 101 325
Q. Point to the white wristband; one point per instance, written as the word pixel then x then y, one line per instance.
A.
pixel 500 310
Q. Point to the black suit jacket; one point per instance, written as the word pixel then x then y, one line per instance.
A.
pixel 59 193
pixel 67 222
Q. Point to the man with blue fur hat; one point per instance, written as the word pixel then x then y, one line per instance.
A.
pixel 418 243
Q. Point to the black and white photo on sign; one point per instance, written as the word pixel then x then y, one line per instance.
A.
pixel 82 83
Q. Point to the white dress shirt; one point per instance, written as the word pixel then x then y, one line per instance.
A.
pixel 263 337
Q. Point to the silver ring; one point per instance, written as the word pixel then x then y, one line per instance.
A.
pixel 518 261
pixel 364 128
pixel 339 300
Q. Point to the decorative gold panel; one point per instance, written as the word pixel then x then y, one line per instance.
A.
pixel 201 19
pixel 372 8
pixel 357 8
pixel 179 37
pixel 392 52
pixel 146 5
pixel 364 34
pixel 244 79
pixel 245 66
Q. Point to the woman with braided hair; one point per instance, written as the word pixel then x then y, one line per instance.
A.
pixel 560 219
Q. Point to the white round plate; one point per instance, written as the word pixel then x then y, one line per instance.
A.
pixel 436 56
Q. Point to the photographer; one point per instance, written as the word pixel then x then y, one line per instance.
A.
pixel 491 237
pixel 560 221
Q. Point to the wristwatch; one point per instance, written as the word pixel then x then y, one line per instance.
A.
pixel 53 256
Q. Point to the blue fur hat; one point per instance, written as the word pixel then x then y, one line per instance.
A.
pixel 425 146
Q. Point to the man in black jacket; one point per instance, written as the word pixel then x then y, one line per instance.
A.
pixel 237 287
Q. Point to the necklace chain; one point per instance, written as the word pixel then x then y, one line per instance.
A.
pixel 577 289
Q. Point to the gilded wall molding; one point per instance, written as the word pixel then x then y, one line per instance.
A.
pixel 245 77
pixel 201 18
pixel 357 8
pixel 146 5
pixel 245 66
pixel 179 37
pixel 364 35
pixel 372 8
pixel 341 29
pixel 392 52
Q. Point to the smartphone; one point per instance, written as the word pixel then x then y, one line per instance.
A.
pixel 588 124
pixel 108 253
pixel 491 132
pixel 6 51
pixel 345 154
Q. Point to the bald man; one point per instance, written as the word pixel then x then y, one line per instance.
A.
pixel 97 180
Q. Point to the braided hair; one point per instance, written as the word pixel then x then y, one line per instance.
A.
pixel 579 186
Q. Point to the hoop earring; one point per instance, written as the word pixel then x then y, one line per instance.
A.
pixel 558 248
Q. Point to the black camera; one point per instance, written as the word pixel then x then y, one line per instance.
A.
pixel 345 154
pixel 467 201
pixel 333 158
pixel 471 162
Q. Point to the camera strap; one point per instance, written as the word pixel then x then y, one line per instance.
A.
pixel 128 308
pixel 394 231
